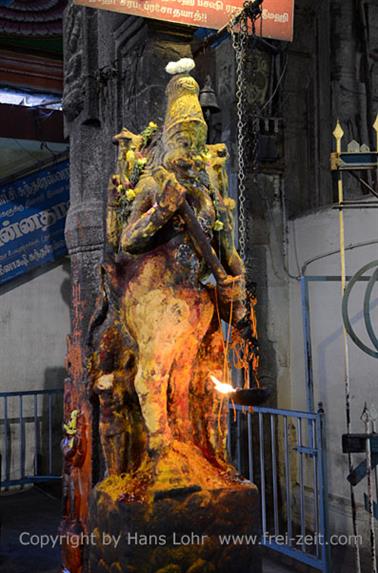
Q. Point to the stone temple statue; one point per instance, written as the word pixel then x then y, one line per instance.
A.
pixel 161 341
pixel 157 353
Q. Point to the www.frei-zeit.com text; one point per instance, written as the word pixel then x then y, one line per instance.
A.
pixel 44 540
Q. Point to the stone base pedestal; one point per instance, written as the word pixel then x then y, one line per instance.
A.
pixel 179 531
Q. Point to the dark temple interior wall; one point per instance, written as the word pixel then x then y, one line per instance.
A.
pixel 331 74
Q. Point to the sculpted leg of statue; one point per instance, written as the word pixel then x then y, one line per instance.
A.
pixel 208 411
pixel 169 339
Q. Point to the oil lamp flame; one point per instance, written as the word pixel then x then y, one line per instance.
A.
pixel 221 387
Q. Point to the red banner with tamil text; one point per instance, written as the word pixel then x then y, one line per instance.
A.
pixel 276 22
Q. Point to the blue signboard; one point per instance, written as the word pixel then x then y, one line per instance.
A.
pixel 33 212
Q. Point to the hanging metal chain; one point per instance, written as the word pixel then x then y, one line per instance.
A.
pixel 255 108
pixel 251 11
pixel 239 44
pixel 238 28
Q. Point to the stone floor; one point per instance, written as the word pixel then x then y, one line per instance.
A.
pixel 30 511
pixel 38 512
pixel 270 566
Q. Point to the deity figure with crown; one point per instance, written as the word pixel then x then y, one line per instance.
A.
pixel 155 342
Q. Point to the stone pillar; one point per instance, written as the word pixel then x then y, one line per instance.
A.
pixel 84 236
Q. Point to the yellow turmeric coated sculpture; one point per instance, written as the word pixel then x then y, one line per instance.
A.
pixel 156 336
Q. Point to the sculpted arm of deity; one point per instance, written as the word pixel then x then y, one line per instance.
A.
pixel 158 197
pixel 225 206
pixel 232 290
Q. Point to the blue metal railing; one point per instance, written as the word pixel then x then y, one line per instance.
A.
pixel 282 451
pixel 29 447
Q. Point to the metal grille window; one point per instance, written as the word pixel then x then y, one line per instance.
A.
pixel 30 434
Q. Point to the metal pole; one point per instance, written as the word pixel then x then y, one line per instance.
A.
pixel 305 300
pixel 250 448
pixel 315 448
pixel 50 434
pixel 229 434
pixel 338 135
pixel 238 442
pixel 288 481
pixel 370 505
pixel 323 490
pixel 36 434
pixel 274 473
pixel 6 457
pixel 22 438
pixel 374 415
pixel 262 472
pixel 301 481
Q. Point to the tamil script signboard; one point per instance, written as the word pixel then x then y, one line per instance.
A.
pixel 33 211
pixel 276 21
